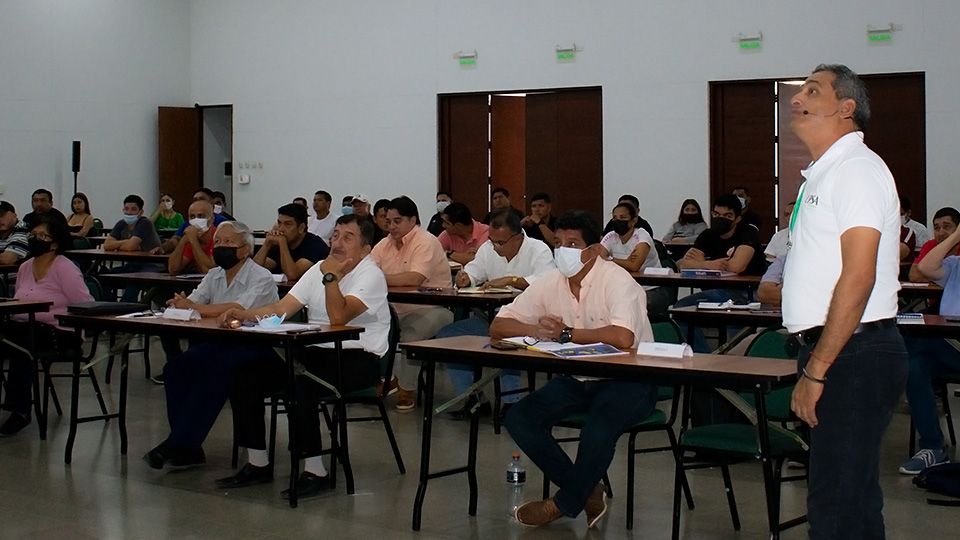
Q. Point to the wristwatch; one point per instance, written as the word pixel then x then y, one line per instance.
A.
pixel 329 277
pixel 566 335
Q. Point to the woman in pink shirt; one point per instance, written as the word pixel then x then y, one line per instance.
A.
pixel 50 277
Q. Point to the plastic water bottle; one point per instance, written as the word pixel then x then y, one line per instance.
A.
pixel 516 478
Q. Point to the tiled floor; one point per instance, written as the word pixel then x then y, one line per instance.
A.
pixel 106 495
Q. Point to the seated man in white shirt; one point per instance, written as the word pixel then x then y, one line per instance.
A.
pixel 199 381
pixel 778 242
pixel 507 259
pixel 346 288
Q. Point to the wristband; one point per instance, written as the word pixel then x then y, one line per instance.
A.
pixel 812 378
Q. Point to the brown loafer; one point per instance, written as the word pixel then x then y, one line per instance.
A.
pixel 537 513
pixel 596 506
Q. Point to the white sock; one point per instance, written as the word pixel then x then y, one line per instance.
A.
pixel 258 458
pixel 314 465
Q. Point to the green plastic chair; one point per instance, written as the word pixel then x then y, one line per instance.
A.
pixel 723 444
pixel 664 331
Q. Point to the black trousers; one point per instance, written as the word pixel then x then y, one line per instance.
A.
pixel 19 378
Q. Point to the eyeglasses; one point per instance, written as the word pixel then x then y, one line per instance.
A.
pixel 42 236
pixel 499 245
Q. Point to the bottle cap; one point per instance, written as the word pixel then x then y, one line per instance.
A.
pixel 516 455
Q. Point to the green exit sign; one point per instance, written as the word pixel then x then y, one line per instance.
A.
pixel 879 37
pixel 565 56
pixel 468 61
pixel 750 45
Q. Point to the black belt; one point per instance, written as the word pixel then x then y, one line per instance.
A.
pixel 811 336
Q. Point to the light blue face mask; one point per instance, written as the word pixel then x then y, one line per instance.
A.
pixel 130 219
pixel 346 210
pixel 270 322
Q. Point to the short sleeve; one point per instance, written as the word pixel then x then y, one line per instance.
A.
pixel 143 229
pixel 858 200
pixel 203 294
pixel 949 267
pixel 117 230
pixel 609 241
pixel 774 273
pixel 311 280
pixel 444 239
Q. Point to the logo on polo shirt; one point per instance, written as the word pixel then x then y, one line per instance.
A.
pixel 811 200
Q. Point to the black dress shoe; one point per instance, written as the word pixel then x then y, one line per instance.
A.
pixel 247 476
pixel 465 412
pixel 14 424
pixel 308 485
pixel 158 456
pixel 182 459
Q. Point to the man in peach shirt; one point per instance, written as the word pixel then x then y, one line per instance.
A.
pixel 412 257
pixel 586 300
pixel 462 235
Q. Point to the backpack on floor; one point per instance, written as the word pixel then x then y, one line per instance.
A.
pixel 943 479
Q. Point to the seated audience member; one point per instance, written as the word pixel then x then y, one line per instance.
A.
pixel 509 259
pixel 380 220
pixel 778 243
pixel 196 249
pixel 80 221
pixel 202 194
pixel 945 222
pixel 165 218
pixel 906 219
pixel 220 205
pixel 772 282
pixel 908 244
pixel 134 232
pixel 462 235
pixel 689 224
pixel 347 288
pixel 540 223
pixel 323 222
pixel 632 249
pixel 412 257
pixel 13 235
pixel 499 201
pixel 361 205
pixel 300 200
pixel 46 276
pixel 288 248
pixel 642 223
pixel 930 357
pixel 435 226
pixel 199 381
pixel 747 216
pixel 347 205
pixel 586 300
pixel 42 202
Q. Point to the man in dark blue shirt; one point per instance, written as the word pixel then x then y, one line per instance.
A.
pixel 289 248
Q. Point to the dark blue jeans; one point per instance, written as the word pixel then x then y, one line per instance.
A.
pixel 611 406
pixel 198 384
pixel 929 359
pixel 844 499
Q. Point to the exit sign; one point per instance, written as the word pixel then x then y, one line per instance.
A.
pixel 750 45
pixel 879 37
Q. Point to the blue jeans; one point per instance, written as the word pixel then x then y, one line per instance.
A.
pixel 462 375
pixel 844 499
pixel 611 406
pixel 711 295
pixel 929 359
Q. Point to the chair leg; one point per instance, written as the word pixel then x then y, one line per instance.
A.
pixel 497 403
pixel 945 395
pixel 679 455
pixel 731 500
pixel 109 375
pixel 913 437
pixel 96 388
pixel 50 391
pixel 391 437
pixel 631 472
pixel 272 443
pixel 771 485
pixel 146 355
pixel 546 487
pixel 679 473
pixel 606 485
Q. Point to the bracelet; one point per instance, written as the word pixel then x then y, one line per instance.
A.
pixel 811 377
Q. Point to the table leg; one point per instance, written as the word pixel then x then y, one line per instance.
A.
pixel 39 410
pixel 292 423
pixel 124 371
pixel 472 451
pixel 343 448
pixel 771 491
pixel 429 368
pixel 74 407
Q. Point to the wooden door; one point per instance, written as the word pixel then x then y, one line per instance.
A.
pixel 180 154
pixel 464 150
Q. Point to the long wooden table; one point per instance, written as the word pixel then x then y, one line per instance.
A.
pixel 697 282
pixel 8 307
pixel 747 374
pixel 208 329
pixel 186 282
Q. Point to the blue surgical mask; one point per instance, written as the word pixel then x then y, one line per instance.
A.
pixel 346 210
pixel 272 321
pixel 130 219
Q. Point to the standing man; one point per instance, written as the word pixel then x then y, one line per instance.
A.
pixel 323 223
pixel 540 223
pixel 840 302
pixel 290 249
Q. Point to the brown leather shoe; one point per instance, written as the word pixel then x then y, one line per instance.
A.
pixel 392 389
pixel 537 513
pixel 596 506
pixel 405 399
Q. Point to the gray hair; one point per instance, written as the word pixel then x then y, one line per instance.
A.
pixel 849 86
pixel 242 230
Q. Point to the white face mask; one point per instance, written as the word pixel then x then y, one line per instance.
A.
pixel 199 223
pixel 168 205
pixel 217 208
pixel 904 219
pixel 568 260
pixel 442 205
pixel 743 203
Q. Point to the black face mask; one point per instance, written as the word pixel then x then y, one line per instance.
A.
pixel 619 226
pixel 721 225
pixel 225 257
pixel 38 247
pixel 688 218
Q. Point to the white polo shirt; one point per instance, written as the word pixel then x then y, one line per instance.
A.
pixel 532 260
pixel 252 287
pixel 365 283
pixel 849 186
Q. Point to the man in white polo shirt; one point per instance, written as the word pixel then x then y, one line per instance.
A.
pixel 840 302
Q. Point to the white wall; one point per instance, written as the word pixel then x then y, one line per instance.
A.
pixel 94 71
pixel 217 149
